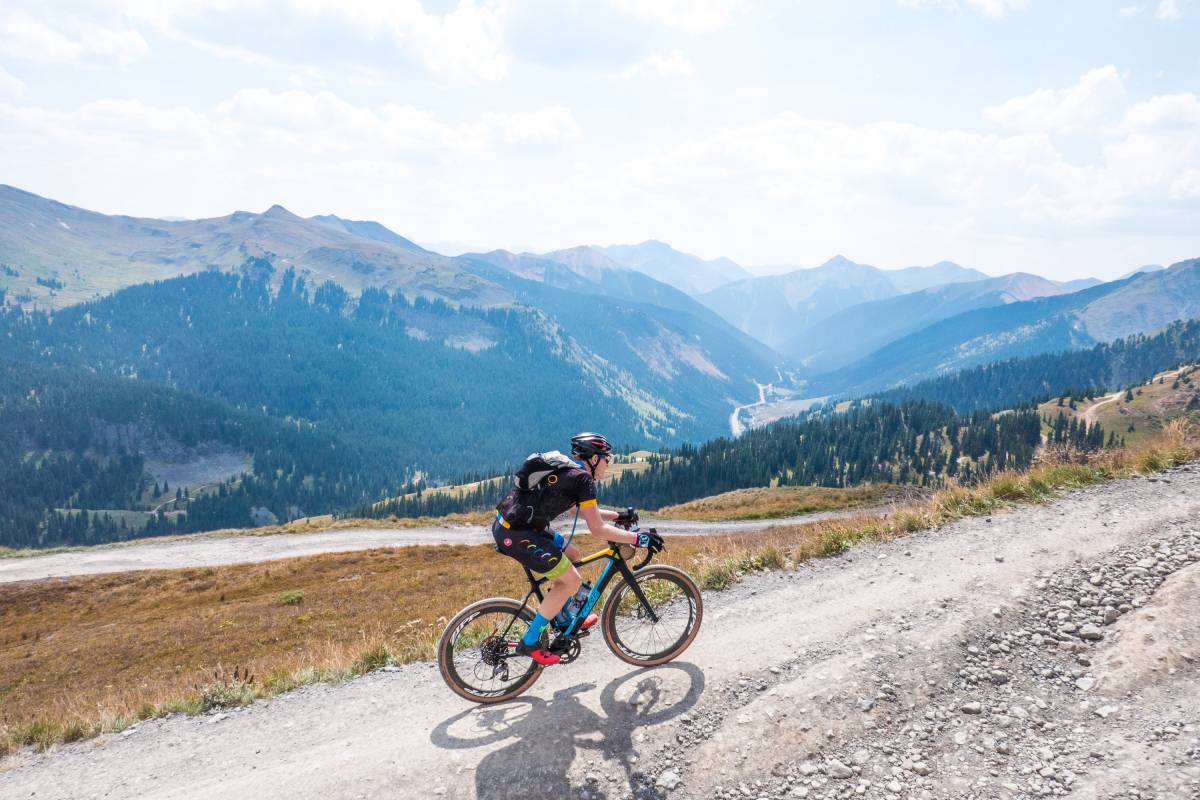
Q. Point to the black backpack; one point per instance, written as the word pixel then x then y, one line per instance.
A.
pixel 522 506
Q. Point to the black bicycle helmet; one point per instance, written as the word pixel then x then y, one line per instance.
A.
pixel 585 445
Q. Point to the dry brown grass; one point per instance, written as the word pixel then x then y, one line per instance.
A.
pixel 774 502
pixel 85 655
pixel 327 522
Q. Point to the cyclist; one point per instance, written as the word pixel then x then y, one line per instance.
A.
pixel 545 552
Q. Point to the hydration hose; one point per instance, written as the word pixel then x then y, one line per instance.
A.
pixel 573 524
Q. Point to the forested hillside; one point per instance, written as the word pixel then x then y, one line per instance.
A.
pixel 379 387
pixel 421 381
pixel 1103 368
pixel 915 443
pixel 72 440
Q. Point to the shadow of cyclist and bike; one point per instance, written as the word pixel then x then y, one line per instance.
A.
pixel 547 735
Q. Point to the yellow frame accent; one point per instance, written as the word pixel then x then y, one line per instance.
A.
pixel 596 556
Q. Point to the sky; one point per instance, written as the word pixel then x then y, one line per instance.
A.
pixel 1060 137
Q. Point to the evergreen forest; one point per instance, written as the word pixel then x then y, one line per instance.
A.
pixel 336 400
pixel 917 443
pixel 1080 373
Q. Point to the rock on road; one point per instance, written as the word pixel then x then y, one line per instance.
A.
pixel 1047 651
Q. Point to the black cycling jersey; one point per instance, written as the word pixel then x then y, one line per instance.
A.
pixel 559 493
pixel 574 487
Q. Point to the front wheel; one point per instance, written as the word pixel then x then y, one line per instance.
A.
pixel 475 651
pixel 637 638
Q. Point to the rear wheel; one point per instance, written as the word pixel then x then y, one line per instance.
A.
pixel 636 638
pixel 475 651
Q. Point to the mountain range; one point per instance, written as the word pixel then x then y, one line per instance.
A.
pixel 341 359
pixel 852 333
pixel 774 308
pixel 80 254
pixel 1143 303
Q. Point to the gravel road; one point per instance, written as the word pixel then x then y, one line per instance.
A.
pixel 1048 651
pixel 179 552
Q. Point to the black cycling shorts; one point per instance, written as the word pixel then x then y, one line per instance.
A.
pixel 540 551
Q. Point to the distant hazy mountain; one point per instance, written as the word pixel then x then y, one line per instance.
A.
pixel 637 322
pixel 79 254
pixel 589 270
pixel 775 308
pixel 857 331
pixel 1081 283
pixel 1146 268
pixel 684 271
pixel 1143 303
pixel 369 230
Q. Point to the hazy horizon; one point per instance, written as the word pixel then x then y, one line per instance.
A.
pixel 1061 139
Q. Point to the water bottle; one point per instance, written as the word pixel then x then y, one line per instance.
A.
pixel 572 607
pixel 576 603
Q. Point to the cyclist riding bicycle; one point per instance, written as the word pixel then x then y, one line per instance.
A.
pixel 522 528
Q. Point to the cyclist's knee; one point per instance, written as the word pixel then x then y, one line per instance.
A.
pixel 571 578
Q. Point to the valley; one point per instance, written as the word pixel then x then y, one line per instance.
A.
pixel 323 355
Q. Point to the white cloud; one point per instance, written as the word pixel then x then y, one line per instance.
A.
pixel 1186 186
pixel 25 37
pixel 690 16
pixel 989 8
pixel 1168 11
pixel 674 64
pixel 546 126
pixel 10 85
pixel 298 124
pixel 1096 98
pixel 467 43
pixel 1165 112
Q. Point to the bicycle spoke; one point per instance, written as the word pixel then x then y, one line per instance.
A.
pixel 639 635
pixel 481 657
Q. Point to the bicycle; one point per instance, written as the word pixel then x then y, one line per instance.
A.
pixel 476 652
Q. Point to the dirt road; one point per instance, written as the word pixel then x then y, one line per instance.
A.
pixel 736 428
pixel 1053 650
pixel 180 552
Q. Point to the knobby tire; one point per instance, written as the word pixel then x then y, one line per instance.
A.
pixel 500 610
pixel 629 632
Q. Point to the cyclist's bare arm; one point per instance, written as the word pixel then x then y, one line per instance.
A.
pixel 594 517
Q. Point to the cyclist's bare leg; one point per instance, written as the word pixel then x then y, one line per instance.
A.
pixel 561 589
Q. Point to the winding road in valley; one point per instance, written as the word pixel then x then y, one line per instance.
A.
pixel 736 428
